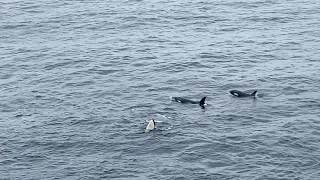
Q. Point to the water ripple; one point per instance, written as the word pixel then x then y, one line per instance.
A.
pixel 80 81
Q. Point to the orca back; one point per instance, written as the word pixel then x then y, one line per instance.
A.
pixel 183 100
pixel 242 94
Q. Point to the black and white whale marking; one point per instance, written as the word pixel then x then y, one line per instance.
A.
pixel 183 100
pixel 243 94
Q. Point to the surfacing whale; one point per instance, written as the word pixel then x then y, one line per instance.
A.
pixel 183 100
pixel 243 94
pixel 150 126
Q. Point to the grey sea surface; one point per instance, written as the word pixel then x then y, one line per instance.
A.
pixel 79 81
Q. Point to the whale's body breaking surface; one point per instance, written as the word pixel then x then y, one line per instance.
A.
pixel 184 100
pixel 243 94
pixel 150 126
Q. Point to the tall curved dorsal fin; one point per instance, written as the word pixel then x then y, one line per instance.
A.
pixel 254 93
pixel 202 102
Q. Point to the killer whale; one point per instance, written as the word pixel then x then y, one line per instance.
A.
pixel 243 94
pixel 184 100
pixel 150 126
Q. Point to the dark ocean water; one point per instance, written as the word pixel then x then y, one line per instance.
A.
pixel 79 81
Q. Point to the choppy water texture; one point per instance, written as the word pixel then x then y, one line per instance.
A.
pixel 80 80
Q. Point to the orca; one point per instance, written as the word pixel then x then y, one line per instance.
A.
pixel 183 100
pixel 243 94
pixel 150 126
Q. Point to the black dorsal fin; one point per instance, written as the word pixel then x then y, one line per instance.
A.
pixel 202 102
pixel 254 93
